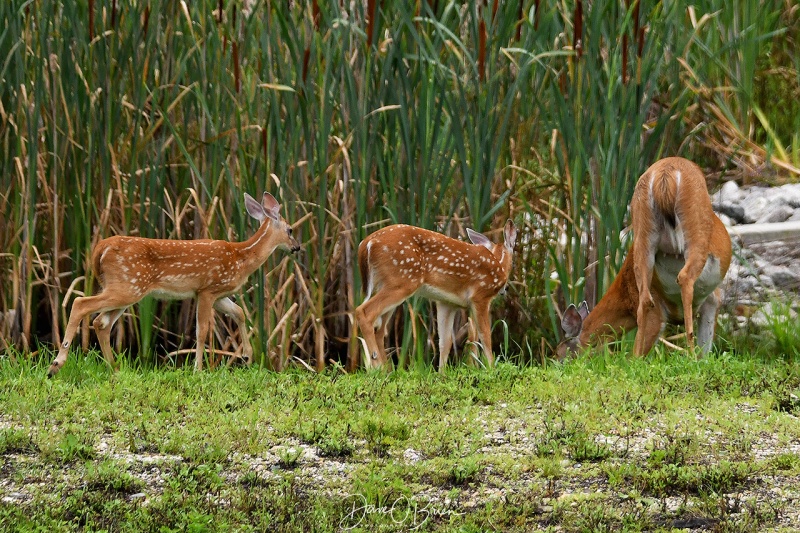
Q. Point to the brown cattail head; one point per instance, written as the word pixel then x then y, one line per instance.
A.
pixel 315 14
pixel 577 38
pixel 372 6
pixel 91 20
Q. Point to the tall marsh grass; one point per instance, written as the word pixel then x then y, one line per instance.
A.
pixel 153 118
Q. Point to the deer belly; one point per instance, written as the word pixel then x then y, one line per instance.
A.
pixel 174 287
pixel 666 271
pixel 162 294
pixel 440 295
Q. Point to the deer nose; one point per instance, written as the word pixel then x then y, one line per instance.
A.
pixel 295 247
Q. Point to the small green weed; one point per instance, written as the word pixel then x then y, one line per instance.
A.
pixel 332 440
pixel 382 433
pixel 785 461
pixel 464 471
pixel 72 447
pixel 558 432
pixel 672 479
pixel 582 449
pixel 251 480
pixel 16 441
pixel 671 450
pixel 111 477
pixel 289 457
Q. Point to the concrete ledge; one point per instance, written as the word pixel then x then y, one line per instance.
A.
pixel 757 233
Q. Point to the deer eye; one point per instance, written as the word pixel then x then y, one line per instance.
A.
pixel 289 231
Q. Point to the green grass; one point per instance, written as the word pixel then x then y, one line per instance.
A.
pixel 608 443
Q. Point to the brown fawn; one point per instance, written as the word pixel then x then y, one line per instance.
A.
pixel 130 268
pixel 679 256
pixel 399 261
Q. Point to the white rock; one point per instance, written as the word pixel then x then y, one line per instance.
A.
pixel 781 213
pixel 774 313
pixel 755 206
pixel 729 191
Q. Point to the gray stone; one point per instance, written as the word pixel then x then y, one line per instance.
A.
pixel 780 213
pixel 730 209
pixel 772 313
pixel 791 194
pixel 728 221
pixel 729 192
pixel 783 277
pixel 755 206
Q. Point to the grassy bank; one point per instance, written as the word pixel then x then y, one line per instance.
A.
pixel 608 443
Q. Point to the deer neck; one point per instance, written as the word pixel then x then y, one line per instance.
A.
pixel 620 300
pixel 255 250
pixel 503 258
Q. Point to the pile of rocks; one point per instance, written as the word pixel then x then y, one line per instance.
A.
pixel 763 269
pixel 757 205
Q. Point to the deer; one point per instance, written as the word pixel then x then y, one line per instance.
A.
pixel 680 254
pixel 130 268
pixel 399 261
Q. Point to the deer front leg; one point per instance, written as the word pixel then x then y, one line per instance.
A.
pixel 708 321
pixel 695 262
pixel 445 316
pixel 205 314
pixel 648 328
pixel 230 308
pixel 381 331
pixel 366 318
pixel 102 327
pixel 480 312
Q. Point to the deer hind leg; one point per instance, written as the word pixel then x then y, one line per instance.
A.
pixel 644 256
pixel 695 262
pixel 472 342
pixel 708 320
pixel 379 305
pixel 381 331
pixel 102 327
pixel 82 306
pixel 230 308
pixel 205 314
pixel 445 317
pixel 648 328
pixel 480 312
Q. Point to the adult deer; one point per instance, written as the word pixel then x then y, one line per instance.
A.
pixel 679 256
pixel 399 261
pixel 130 268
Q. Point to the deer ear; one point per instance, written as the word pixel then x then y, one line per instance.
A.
pixel 479 239
pixel 572 321
pixel 583 310
pixel 510 233
pixel 271 206
pixel 254 209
